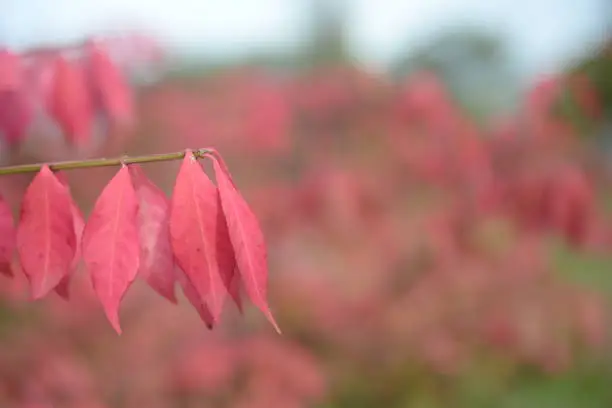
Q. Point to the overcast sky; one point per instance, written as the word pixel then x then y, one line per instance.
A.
pixel 542 33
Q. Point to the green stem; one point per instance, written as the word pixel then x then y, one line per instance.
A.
pixel 83 164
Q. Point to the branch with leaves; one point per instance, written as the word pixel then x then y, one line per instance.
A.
pixel 205 237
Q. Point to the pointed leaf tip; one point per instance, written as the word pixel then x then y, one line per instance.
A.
pixel 194 298
pixel 234 290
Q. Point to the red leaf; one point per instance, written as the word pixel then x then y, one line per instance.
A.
pixel 46 240
pixel 16 113
pixel 198 234
pixel 111 247
pixel 156 258
pixel 63 287
pixel 7 238
pixel 194 298
pixel 10 71
pixel 229 274
pixel 246 238
pixel 70 101
pixel 112 90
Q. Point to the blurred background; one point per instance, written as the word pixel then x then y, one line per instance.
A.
pixel 433 179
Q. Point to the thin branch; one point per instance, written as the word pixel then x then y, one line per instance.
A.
pixel 84 164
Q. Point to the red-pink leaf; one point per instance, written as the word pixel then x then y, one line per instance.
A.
pixel 16 113
pixel 199 237
pixel 246 238
pixel 46 240
pixel 15 107
pixel 156 258
pixel 10 71
pixel 63 288
pixel 194 298
pixel 111 247
pixel 7 238
pixel 112 90
pixel 229 274
pixel 70 100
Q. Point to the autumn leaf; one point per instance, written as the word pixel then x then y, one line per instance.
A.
pixel 234 289
pixel 156 258
pixel 247 239
pixel 70 101
pixel 46 239
pixel 199 237
pixel 62 288
pixel 10 70
pixel 111 245
pixel 16 113
pixel 111 88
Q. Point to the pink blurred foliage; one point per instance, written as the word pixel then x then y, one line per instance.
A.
pixel 400 233
pixel 253 111
pixel 72 101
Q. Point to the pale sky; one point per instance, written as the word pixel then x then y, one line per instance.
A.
pixel 542 33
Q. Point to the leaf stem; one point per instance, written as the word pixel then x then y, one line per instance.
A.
pixel 103 162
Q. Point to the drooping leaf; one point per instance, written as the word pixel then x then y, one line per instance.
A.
pixel 46 239
pixel 63 288
pixel 199 238
pixel 7 238
pixel 194 298
pixel 156 258
pixel 15 107
pixel 70 100
pixel 229 274
pixel 16 113
pixel 111 88
pixel 10 71
pixel 247 239
pixel 111 247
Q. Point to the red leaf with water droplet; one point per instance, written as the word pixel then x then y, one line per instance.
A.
pixel 156 258
pixel 70 101
pixel 63 288
pixel 111 88
pixel 194 298
pixel 246 238
pixel 199 236
pixel 7 238
pixel 46 240
pixel 111 245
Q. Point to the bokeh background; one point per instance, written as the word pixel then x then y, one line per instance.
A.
pixel 433 179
